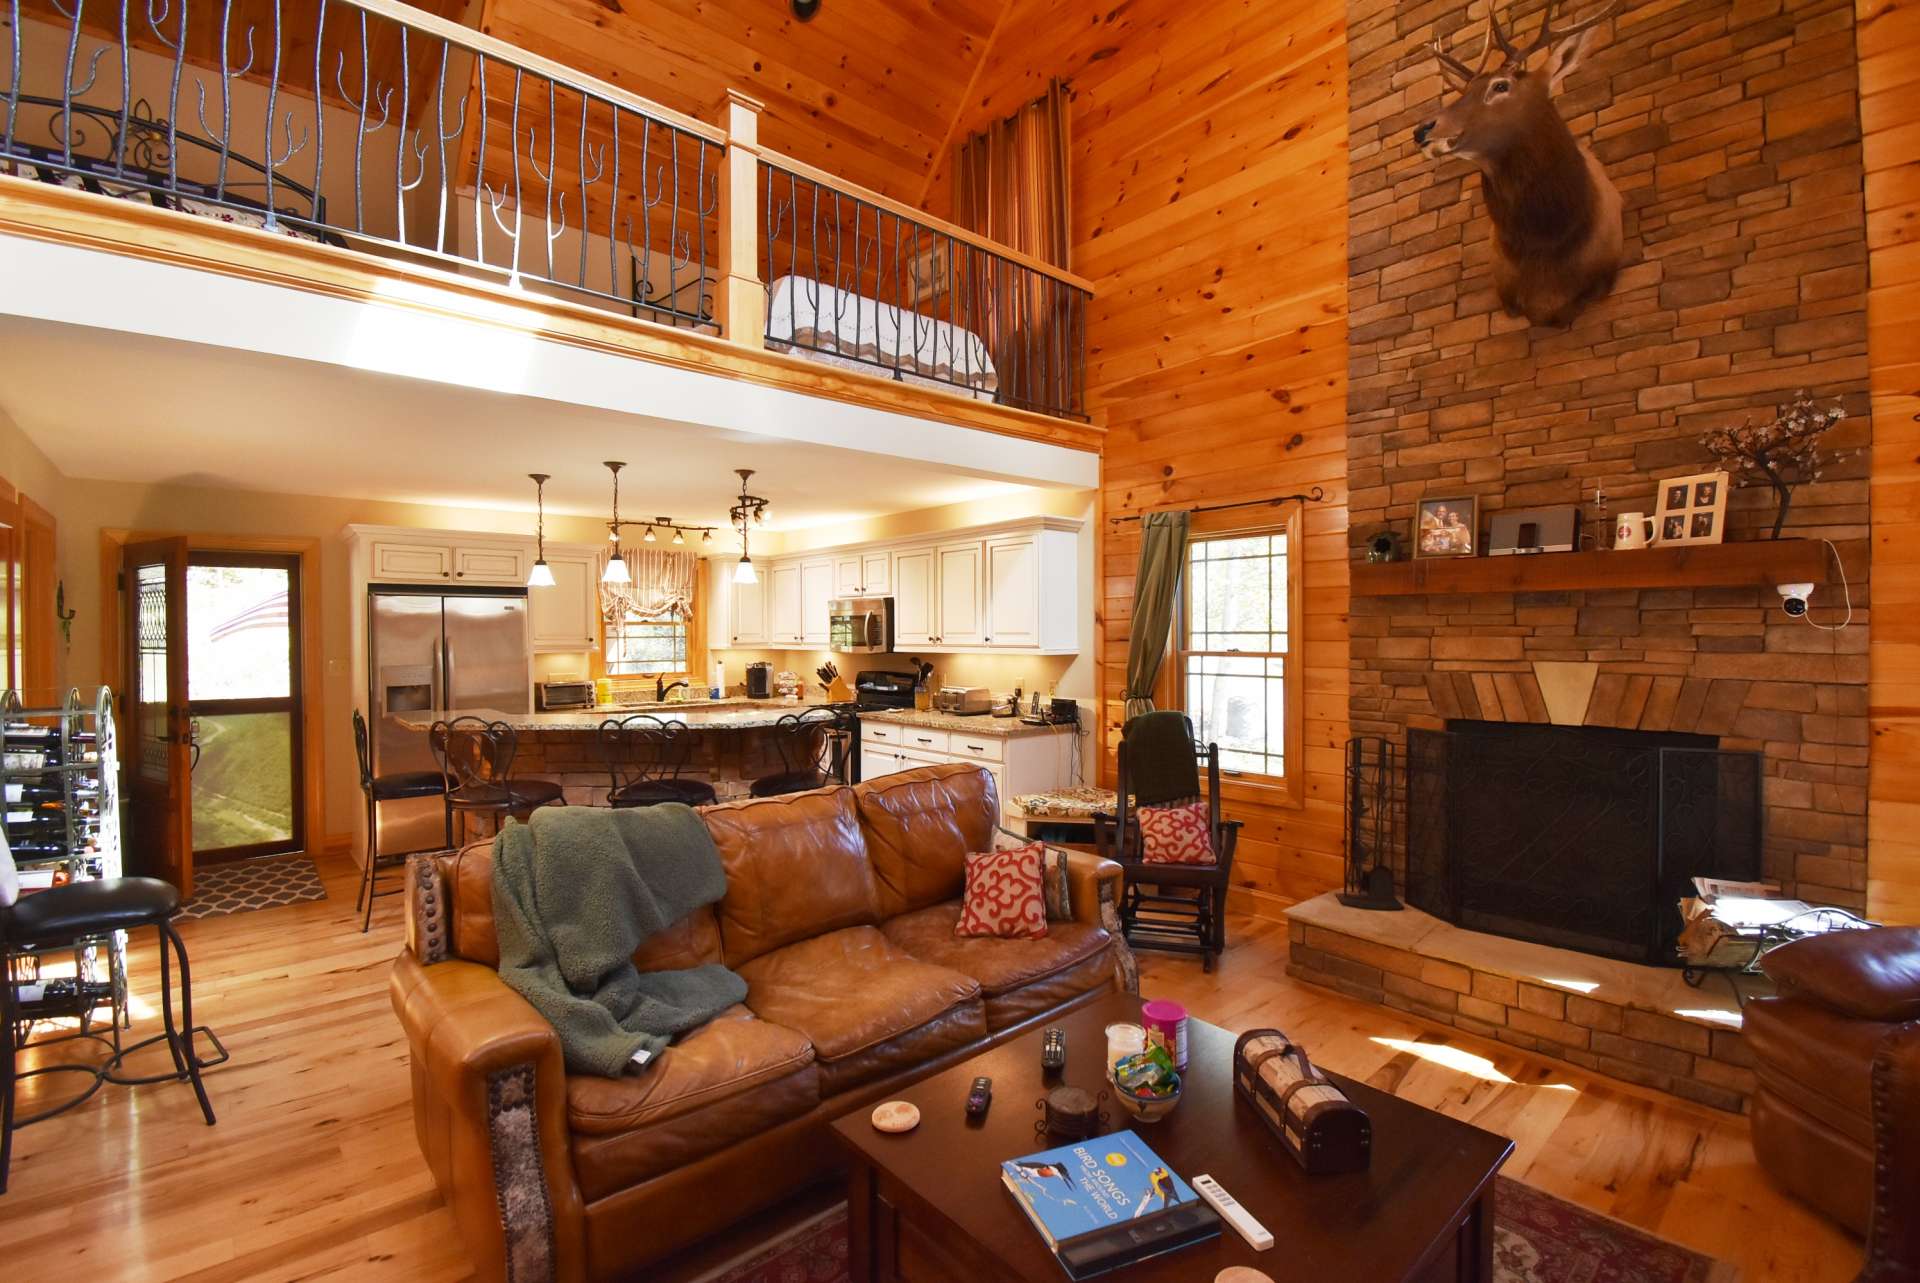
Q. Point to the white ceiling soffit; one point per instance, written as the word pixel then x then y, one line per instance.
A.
pixel 450 385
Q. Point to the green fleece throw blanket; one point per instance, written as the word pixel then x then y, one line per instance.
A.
pixel 575 892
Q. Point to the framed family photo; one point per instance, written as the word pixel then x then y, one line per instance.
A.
pixel 1447 527
pixel 1692 509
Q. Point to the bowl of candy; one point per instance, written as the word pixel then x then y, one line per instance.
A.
pixel 1146 1084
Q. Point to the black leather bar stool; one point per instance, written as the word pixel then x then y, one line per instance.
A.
pixel 375 789
pixel 816 748
pixel 60 917
pixel 646 759
pixel 476 763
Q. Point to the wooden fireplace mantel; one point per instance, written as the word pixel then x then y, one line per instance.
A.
pixel 1753 563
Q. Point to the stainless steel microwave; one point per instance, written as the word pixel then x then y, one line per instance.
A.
pixel 860 625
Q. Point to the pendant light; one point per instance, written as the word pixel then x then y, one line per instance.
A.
pixel 746 511
pixel 616 571
pixel 541 576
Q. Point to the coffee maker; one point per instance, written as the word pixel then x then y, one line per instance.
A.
pixel 760 681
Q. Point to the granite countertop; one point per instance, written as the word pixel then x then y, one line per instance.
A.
pixel 697 714
pixel 726 715
pixel 983 724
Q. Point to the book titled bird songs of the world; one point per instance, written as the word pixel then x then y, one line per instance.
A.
pixel 1107 1202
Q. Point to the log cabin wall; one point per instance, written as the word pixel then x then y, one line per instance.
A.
pixel 1209 184
pixel 1889 34
pixel 1733 135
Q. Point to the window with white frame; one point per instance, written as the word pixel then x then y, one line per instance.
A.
pixel 1236 647
pixel 636 645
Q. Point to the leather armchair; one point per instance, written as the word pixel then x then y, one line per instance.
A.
pixel 1836 1116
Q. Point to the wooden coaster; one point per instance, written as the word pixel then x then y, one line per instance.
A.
pixel 1241 1274
pixel 900 1116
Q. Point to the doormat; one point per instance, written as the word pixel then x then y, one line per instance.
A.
pixel 1537 1239
pixel 244 885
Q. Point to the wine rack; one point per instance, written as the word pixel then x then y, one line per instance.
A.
pixel 60 772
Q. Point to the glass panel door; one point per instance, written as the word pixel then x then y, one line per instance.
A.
pixel 243 618
pixel 159 818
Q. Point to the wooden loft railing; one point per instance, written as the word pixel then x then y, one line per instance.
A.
pixel 378 127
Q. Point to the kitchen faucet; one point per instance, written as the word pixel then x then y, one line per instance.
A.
pixel 660 689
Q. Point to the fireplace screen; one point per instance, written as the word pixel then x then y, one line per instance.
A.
pixel 1577 836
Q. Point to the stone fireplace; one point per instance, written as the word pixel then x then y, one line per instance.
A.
pixel 1575 836
pixel 1717 665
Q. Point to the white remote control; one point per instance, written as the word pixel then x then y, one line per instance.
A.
pixel 1256 1234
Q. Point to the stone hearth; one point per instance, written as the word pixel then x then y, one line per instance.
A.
pixel 1644 1025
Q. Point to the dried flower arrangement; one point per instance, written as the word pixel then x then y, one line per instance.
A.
pixel 1783 453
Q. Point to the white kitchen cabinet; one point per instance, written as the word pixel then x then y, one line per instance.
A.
pixel 816 596
pixel 959 576
pixel 1018 763
pixel 566 617
pixel 862 574
pixel 846 576
pixel 1013 588
pixel 1013 592
pixel 783 603
pixel 875 573
pixel 913 600
pixel 490 564
pixel 412 563
pixel 749 602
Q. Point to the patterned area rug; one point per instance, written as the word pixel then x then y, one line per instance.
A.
pixel 1537 1239
pixel 264 883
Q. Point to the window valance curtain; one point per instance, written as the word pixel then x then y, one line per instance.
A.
pixel 662 587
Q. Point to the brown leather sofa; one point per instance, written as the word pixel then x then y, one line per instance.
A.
pixel 839 914
pixel 1836 1116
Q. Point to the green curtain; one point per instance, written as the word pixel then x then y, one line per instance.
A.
pixel 1163 555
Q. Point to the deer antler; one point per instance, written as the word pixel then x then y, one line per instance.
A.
pixel 1450 65
pixel 1498 38
pixel 1462 70
pixel 1547 37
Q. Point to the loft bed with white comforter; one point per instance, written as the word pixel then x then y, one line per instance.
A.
pixel 858 332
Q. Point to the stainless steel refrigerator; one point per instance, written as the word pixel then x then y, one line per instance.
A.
pixel 438 651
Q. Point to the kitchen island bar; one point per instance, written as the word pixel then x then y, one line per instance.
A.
pixel 734 742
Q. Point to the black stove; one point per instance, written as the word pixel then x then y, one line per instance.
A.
pixel 876 690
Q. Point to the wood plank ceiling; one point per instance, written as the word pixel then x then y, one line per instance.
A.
pixel 866 91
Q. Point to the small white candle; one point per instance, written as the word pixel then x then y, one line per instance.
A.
pixel 1124 1040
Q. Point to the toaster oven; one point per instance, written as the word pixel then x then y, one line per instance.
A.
pixel 561 696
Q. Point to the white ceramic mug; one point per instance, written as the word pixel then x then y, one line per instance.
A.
pixel 1632 530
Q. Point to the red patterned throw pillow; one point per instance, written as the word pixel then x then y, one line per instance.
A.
pixel 1175 834
pixel 1004 895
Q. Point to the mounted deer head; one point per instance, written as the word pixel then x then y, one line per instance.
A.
pixel 1557 240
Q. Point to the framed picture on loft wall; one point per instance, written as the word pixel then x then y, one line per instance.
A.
pixel 1447 527
pixel 1692 509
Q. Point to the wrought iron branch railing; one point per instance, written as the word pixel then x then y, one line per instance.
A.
pixel 854 277
pixel 379 127
pixel 369 123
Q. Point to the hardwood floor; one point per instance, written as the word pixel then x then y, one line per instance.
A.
pixel 312 1171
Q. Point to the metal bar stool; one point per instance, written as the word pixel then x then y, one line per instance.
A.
pixel 62 916
pixel 816 748
pixel 376 789
pixel 476 764
pixel 645 758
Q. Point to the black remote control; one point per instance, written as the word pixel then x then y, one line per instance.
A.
pixel 979 1096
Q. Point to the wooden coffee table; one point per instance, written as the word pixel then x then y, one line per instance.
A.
pixel 928 1206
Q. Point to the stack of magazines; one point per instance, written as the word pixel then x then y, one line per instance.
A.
pixel 1107 1202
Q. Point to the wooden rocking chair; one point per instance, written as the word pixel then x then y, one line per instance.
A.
pixel 1177 908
